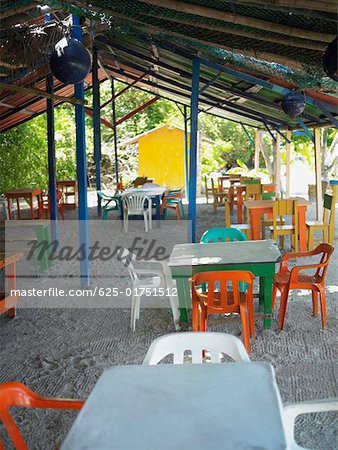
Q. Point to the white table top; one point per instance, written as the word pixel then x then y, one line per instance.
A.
pixel 151 191
pixel 190 406
pixel 225 253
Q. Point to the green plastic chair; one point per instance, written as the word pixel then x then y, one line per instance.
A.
pixel 222 235
pixel 113 203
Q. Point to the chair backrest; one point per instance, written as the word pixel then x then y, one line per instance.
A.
pixel 103 196
pixel 243 179
pixel 197 343
pixel 325 250
pixel 213 187
pixel 328 209
pixel 222 235
pixel 17 394
pixel 253 181
pixel 127 257
pixel 174 194
pixel 268 195
pixel 222 290
pixel 282 208
pixel 252 190
pixel 206 184
pixel 135 201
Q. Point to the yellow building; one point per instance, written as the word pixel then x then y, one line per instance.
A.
pixel 161 155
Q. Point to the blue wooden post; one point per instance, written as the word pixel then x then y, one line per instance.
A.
pixel 51 159
pixel 81 169
pixel 186 152
pixel 97 127
pixel 193 148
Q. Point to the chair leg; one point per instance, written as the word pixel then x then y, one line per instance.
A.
pixel 326 234
pixel 310 239
pixel 125 221
pixel 145 221
pixel 322 297
pixel 282 308
pixel 178 212
pixel 150 221
pixel 274 295
pixel 245 326
pixel 203 316
pixel 134 303
pixel 215 205
pixel 296 242
pixel 315 303
pixel 195 313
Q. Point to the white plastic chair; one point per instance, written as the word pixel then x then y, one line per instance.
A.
pixel 292 411
pixel 149 279
pixel 196 342
pixel 134 204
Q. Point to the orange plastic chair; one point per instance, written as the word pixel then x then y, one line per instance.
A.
pixel 286 279
pixel 223 300
pixel 17 394
pixel 173 200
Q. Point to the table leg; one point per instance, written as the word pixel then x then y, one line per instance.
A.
pixel 239 206
pixel 158 209
pixel 39 206
pixel 184 300
pixel 255 225
pixel 267 285
pixel 18 208
pixel 261 292
pixel 9 206
pixel 302 228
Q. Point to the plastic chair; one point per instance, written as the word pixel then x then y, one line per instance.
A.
pixel 151 279
pixel 197 343
pixel 224 300
pixel 112 204
pixel 173 200
pixel 280 209
pixel 292 411
pixel 17 394
pixel 222 235
pixel 135 204
pixel 286 279
pixel 324 225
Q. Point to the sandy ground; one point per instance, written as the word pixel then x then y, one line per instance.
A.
pixel 62 351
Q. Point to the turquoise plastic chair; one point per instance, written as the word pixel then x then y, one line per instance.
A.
pixel 174 201
pixel 112 204
pixel 222 235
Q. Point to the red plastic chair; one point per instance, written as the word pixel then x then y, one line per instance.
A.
pixel 286 279
pixel 17 394
pixel 224 300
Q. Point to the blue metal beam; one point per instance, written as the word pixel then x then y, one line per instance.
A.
pixel 305 128
pixel 53 201
pixel 209 83
pixel 193 148
pixel 81 168
pixel 327 113
pixel 96 126
pixel 248 136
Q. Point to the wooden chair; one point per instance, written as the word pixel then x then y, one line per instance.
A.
pixel 286 279
pixel 267 218
pixel 219 197
pixel 208 190
pixel 17 394
pixel 46 204
pixel 325 225
pixel 243 227
pixel 216 344
pixel 211 294
pixel 282 209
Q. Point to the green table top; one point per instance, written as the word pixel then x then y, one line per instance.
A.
pixel 225 253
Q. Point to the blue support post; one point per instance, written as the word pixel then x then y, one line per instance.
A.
pixel 53 207
pixel 96 127
pixel 81 169
pixel 115 133
pixel 186 152
pixel 193 148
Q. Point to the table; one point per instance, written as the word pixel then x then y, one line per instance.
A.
pixel 68 189
pixel 257 208
pixel 186 406
pixel 259 257
pixel 26 193
pixel 8 300
pixel 240 190
pixel 155 193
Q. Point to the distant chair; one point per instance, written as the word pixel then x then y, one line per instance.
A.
pixel 287 279
pixel 46 204
pixel 136 204
pixel 280 210
pixel 326 226
pixel 173 200
pixel 222 296
pixel 242 227
pixel 222 235
pixel 14 394
pixel 267 218
pixel 291 412
pixel 152 279
pixel 208 190
pixel 177 344
pixel 219 197
pixel 113 203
